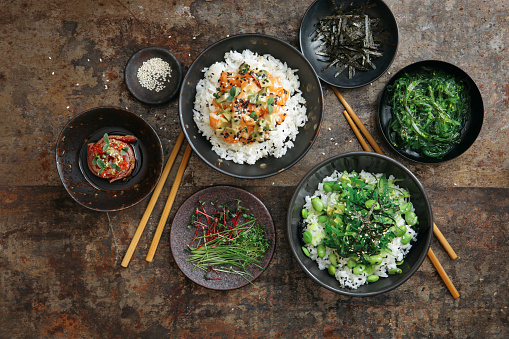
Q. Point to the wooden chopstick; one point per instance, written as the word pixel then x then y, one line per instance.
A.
pixel 169 204
pixel 153 200
pixel 442 274
pixel 358 122
pixel 444 242
pixel 356 132
pixel 348 115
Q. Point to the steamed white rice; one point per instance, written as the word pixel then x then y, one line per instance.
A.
pixel 344 275
pixel 280 139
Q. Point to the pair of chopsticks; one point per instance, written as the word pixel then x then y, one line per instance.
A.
pixel 153 200
pixel 357 125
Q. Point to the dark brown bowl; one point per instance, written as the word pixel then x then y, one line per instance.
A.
pixel 143 94
pixel 321 8
pixel 375 163
pixel 96 193
pixel 309 85
pixel 472 126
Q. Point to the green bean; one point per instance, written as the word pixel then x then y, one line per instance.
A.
pixel 359 269
pixel 323 218
pixel 370 203
pixel 332 269
pixel 304 213
pixel 369 269
pixel 321 250
pixel 375 259
pixel 306 252
pixel 327 188
pixel 307 237
pixel 317 204
pixel 406 239
pixel 333 259
pixel 395 271
pixel 405 207
pixel 400 262
pixel 411 218
pixel 400 231
pixel 372 278
pixel 351 263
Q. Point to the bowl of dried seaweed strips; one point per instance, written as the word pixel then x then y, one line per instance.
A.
pixel 349 43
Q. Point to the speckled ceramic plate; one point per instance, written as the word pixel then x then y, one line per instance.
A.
pixel 309 47
pixel 181 235
pixel 97 193
pixel 147 96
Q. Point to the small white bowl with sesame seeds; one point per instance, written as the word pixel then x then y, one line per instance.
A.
pixel 153 75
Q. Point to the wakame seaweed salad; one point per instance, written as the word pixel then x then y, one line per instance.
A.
pixel 429 110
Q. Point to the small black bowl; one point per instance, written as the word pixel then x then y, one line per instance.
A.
pixel 96 193
pixel 152 97
pixel 374 163
pixel 322 8
pixel 472 126
pixel 309 85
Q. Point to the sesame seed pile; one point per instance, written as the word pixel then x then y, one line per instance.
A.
pixel 153 73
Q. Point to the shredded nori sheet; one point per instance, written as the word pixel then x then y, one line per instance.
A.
pixel 349 39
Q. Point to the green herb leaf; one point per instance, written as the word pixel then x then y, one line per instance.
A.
pixel 270 101
pixel 100 163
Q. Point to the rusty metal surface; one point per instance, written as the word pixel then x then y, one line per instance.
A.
pixel 60 262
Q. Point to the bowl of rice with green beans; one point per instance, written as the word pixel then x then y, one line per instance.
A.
pixel 360 224
pixel 251 106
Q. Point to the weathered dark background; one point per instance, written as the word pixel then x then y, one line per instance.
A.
pixel 60 273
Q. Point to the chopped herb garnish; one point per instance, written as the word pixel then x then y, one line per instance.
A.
pixel 115 166
pixel 270 101
pixel 106 142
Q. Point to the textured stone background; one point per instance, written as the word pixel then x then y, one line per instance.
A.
pixel 60 263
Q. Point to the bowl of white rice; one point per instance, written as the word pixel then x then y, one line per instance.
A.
pixel 283 145
pixel 360 224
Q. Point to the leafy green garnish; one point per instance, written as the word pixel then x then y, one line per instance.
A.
pixel 106 142
pixel 270 101
pixel 360 230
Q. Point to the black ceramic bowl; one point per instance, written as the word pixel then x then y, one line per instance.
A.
pixel 171 86
pixel 375 163
pixel 322 8
pixel 97 193
pixel 309 85
pixel 471 129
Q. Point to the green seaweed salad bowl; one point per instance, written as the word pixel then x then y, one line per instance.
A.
pixel 354 163
pixel 430 112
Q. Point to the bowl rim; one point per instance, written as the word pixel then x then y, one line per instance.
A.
pixel 427 236
pixel 416 64
pixel 189 137
pixel 59 169
pixel 389 64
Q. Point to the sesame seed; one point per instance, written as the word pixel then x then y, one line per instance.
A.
pixel 153 73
